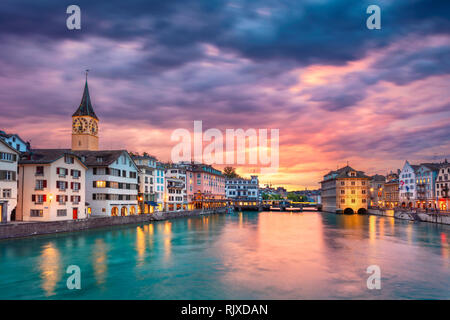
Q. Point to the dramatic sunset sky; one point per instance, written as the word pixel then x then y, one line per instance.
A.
pixel 337 91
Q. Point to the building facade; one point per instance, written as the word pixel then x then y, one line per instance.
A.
pixel 9 157
pixel 160 186
pixel 442 187
pixel 241 188
pixel 345 190
pixel 377 190
pixel 425 183
pixel 146 181
pixel 15 141
pixel 204 183
pixel 407 185
pixel 391 191
pixel 176 197
pixel 111 182
pixel 51 186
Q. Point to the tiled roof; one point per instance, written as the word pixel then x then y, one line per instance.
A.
pixel 343 173
pixel 378 177
pixel 99 158
pixel 45 156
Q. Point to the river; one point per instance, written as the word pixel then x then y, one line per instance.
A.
pixel 249 255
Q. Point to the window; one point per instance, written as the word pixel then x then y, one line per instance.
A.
pixel 7 156
pixel 75 173
pixel 61 212
pixel 75 186
pixel 99 159
pixel 342 183
pixel 363 200
pixel 100 184
pixel 342 200
pixel 342 191
pixel 6 193
pixel 62 172
pixel 41 184
pixel 36 213
pixel 39 170
pixel 68 159
pixel 61 199
pixel 7 175
pixel 353 200
pixel 38 198
pixel 61 185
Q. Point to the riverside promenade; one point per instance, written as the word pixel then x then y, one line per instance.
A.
pixel 412 215
pixel 26 229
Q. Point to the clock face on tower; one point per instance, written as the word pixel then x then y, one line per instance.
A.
pixel 93 127
pixel 79 125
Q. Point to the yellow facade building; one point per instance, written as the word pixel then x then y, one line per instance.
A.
pixel 345 190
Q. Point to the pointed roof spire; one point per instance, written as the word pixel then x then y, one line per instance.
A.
pixel 85 108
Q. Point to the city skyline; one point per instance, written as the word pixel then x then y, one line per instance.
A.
pixel 337 91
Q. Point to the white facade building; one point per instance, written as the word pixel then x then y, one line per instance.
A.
pixel 176 189
pixel 111 182
pixel 15 141
pixel 8 181
pixel 240 188
pixel 443 186
pixel 51 186
pixel 160 186
pixel 146 180
pixel 407 185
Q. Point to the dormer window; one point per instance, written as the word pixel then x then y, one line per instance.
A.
pixel 99 159
pixel 352 174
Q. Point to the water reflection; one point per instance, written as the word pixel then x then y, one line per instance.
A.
pixel 99 260
pixel 50 266
pixel 246 255
pixel 167 240
pixel 140 244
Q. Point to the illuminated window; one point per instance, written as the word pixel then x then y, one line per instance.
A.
pixel 101 184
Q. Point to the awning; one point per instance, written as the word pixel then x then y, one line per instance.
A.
pixel 151 203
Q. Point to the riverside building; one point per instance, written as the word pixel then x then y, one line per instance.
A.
pixel 51 186
pixel 345 191
pixel 241 188
pixel 8 181
pixel 146 179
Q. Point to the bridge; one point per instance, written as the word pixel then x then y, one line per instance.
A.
pixel 274 205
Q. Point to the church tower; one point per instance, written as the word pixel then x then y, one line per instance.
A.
pixel 85 124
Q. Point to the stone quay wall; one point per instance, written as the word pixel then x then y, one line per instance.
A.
pixel 27 229
pixel 442 218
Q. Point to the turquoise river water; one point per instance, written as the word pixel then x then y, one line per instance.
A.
pixel 248 255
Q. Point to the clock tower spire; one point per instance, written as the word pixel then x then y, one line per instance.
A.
pixel 85 124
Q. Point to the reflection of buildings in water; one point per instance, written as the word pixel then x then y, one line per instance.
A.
pixel 99 255
pixel 50 266
pixel 273 247
pixel 445 248
pixel 167 240
pixel 140 244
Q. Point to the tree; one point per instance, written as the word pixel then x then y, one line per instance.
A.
pixel 230 173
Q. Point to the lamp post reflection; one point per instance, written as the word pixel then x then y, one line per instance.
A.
pixel 50 266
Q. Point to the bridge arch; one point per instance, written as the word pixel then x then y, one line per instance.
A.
pixel 362 211
pixel 348 211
